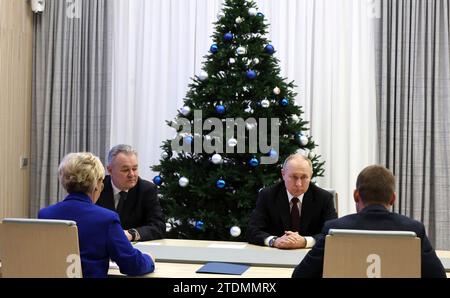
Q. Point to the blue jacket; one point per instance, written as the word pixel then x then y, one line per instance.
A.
pixel 100 236
pixel 373 217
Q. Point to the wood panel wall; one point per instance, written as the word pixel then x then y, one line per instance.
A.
pixel 16 33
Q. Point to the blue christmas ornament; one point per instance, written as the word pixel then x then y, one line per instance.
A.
pixel 273 153
pixel 284 102
pixel 251 74
pixel 157 180
pixel 214 49
pixel 188 140
pixel 260 14
pixel 269 49
pixel 220 109
pixel 254 162
pixel 228 36
pixel 221 183
pixel 199 225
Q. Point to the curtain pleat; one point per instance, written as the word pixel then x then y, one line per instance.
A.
pixel 71 90
pixel 413 100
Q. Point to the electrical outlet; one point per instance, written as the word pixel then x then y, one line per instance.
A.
pixel 23 162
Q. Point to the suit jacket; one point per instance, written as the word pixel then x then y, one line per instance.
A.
pixel 373 217
pixel 141 209
pixel 100 237
pixel 271 217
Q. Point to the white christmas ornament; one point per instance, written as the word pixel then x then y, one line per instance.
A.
pixel 265 103
pixel 239 20
pixel 185 110
pixel 276 91
pixel 256 61
pixel 183 182
pixel 232 142
pixel 235 231
pixel 216 159
pixel 232 60
pixel 241 51
pixel 249 110
pixel 303 140
pixel 168 227
pixel 311 155
pixel 164 155
pixel 203 76
pixel 295 118
pixel 252 11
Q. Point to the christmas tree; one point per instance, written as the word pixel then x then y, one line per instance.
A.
pixel 238 124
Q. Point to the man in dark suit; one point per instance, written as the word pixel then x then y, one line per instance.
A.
pixel 134 199
pixel 291 214
pixel 374 195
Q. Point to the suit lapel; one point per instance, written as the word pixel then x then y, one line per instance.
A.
pixel 108 194
pixel 131 198
pixel 283 208
pixel 307 210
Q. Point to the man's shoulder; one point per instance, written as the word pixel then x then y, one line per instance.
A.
pixel 407 221
pixel 273 189
pixel 145 184
pixel 143 189
pixel 319 192
pixel 344 222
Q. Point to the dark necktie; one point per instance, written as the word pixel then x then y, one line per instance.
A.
pixel 123 197
pixel 295 215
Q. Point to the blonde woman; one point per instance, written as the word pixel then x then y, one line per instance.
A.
pixel 100 234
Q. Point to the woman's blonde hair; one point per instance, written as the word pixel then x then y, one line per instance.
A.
pixel 80 172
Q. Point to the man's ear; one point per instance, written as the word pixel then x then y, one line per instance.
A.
pixel 282 173
pixel 109 168
pixel 356 196
pixel 392 199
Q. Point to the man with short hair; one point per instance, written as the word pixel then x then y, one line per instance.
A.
pixel 291 213
pixel 374 195
pixel 133 198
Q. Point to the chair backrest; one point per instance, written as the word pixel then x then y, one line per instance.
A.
pixel 361 253
pixel 39 248
pixel 335 197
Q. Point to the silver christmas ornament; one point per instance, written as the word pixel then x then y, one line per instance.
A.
pixel 252 11
pixel 265 103
pixel 303 140
pixel 185 110
pixel 183 182
pixel 168 227
pixel 203 76
pixel 217 159
pixel 276 91
pixel 235 231
pixel 239 20
pixel 241 51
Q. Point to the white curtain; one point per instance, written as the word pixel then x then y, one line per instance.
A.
pixel 325 46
